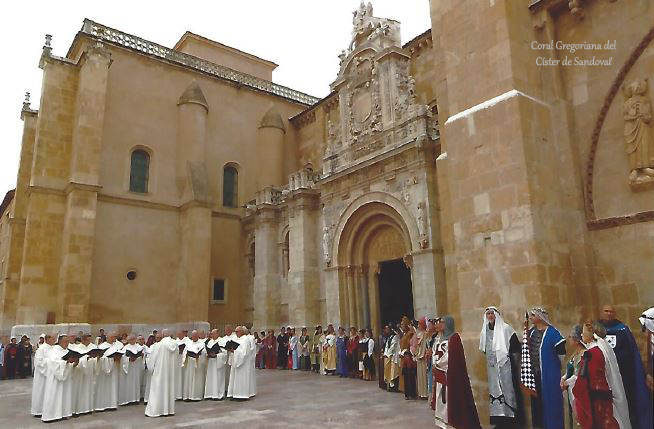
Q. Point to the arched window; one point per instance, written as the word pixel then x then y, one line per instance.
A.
pixel 230 186
pixel 139 171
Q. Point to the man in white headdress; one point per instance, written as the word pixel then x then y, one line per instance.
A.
pixel 498 341
pixel 107 367
pixel 215 384
pixel 647 320
pixel 162 361
pixel 40 374
pixel 132 368
pixel 193 355
pixel 241 385
pixel 83 376
pixel 57 398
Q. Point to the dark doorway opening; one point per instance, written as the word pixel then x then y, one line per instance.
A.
pixel 395 291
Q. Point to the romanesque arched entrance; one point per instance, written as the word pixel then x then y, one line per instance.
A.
pixel 375 284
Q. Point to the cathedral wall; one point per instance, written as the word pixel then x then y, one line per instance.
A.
pixel 142 239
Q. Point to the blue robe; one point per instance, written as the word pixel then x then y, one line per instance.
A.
pixel 341 356
pixel 550 395
pixel 632 372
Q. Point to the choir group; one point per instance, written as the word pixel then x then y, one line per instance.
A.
pixel 604 384
pixel 73 375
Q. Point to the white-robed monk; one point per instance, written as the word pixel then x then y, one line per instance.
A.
pixel 181 341
pixel 83 376
pixel 132 365
pixel 40 374
pixel 229 335
pixel 57 398
pixel 161 401
pixel 241 385
pixel 140 340
pixel 194 354
pixel 214 387
pixel 107 367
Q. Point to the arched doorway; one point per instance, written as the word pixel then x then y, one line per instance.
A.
pixel 375 284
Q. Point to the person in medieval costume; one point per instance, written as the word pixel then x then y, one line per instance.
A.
pixel 282 349
pixel 25 357
pixel 452 400
pixel 647 320
pixel 269 350
pixel 11 359
pixel 341 353
pixel 315 348
pixel 419 351
pixel 40 374
pixel 381 344
pixel 304 346
pixel 329 351
pixel 545 345
pixel 569 379
pixel 293 350
pixel 367 355
pixel 353 353
pixel 499 342
pixel 623 343
pixel 392 360
pixel 593 397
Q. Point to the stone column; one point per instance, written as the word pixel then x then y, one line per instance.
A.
pixel 333 295
pixel 364 301
pixel 82 193
pixel 270 150
pixel 303 276
pixel 351 295
pixel 267 277
pixel 424 268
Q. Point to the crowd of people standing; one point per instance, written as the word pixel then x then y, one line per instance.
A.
pixel 16 358
pixel 604 383
pixel 74 376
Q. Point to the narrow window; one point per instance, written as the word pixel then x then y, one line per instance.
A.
pixel 230 187
pixel 218 294
pixel 139 171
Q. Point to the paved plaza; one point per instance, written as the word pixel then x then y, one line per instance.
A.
pixel 284 400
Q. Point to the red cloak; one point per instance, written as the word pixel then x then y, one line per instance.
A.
pixel 461 408
pixel 593 397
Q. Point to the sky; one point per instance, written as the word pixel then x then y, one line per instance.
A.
pixel 303 36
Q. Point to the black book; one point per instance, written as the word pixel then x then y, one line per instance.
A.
pixel 71 354
pixel 231 345
pixel 115 354
pixel 193 354
pixel 94 353
pixel 181 348
pixel 131 354
pixel 215 349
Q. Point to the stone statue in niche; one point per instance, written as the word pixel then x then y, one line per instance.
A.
pixel 422 226
pixel 637 132
pixel 326 241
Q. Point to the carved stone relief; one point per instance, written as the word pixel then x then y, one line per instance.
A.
pixel 637 132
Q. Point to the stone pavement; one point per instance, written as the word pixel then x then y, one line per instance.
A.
pixel 284 399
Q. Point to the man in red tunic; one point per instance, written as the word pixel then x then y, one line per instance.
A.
pixel 593 396
pixel 269 349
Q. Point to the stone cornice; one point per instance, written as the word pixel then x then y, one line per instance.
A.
pixel 81 186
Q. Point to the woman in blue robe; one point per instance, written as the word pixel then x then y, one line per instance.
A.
pixel 341 353
pixel 545 346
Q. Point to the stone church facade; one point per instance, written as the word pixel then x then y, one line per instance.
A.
pixel 440 176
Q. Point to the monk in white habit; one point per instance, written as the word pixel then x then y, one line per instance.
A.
pixel 83 376
pixel 57 399
pixel 149 356
pixel 132 365
pixel 161 401
pixel 182 340
pixel 107 373
pixel 214 387
pixel 140 340
pixel 229 335
pixel 40 374
pixel 241 385
pixel 194 354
